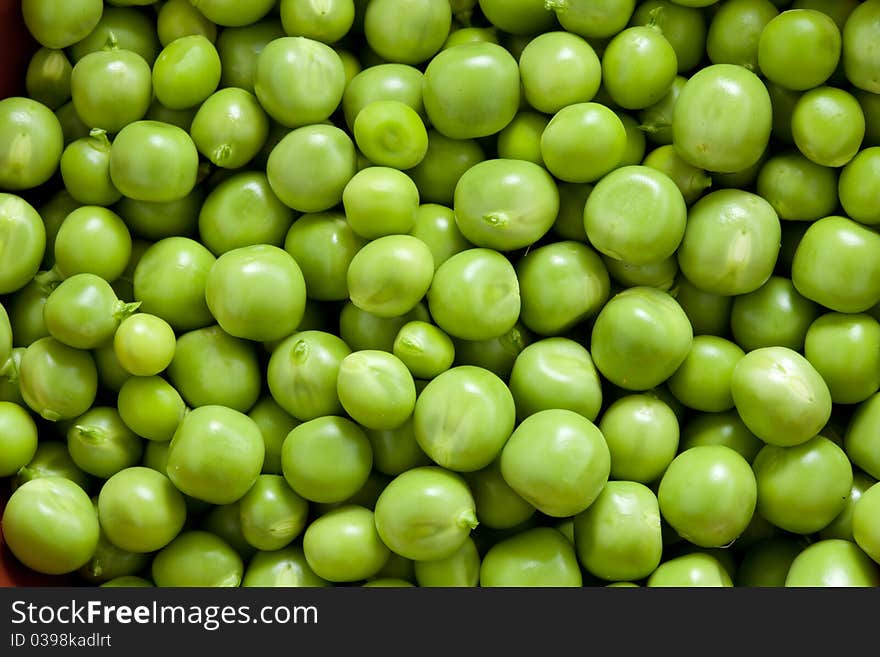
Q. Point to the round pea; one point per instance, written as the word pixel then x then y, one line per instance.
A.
pixel 640 338
pixel 18 438
pixel 197 558
pixel 151 407
pixel 690 383
pixel 343 545
pixel 536 557
pixel 101 444
pixel 327 459
pixel 801 489
pixel 845 350
pixel 558 461
pixel 272 514
pixel 618 536
pixel 57 382
pixel 558 69
pixel 376 389
pixel 285 567
pixel 23 243
pixel 697 569
pixel 832 563
pixel 463 418
pixel 498 505
pixel 461 569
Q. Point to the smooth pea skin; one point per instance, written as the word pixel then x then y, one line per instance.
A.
pixel 636 214
pixel 101 444
pixel 803 488
pixel 498 505
pixel 327 459
pixel 18 438
pixel 343 545
pixel 618 536
pixel 475 295
pixel 444 163
pixel 373 277
pixel 640 338
pixel 556 460
pixel 561 285
pixel 299 81
pixel 197 559
pixel 153 161
pixel 216 454
pixel 859 35
pixel 540 557
pixel 376 389
pixel 702 382
pixel 144 344
pixel 463 418
pixel 583 142
pixel 302 374
pixel 50 525
pixel 845 350
pixel 780 396
pixel 140 510
pixel 212 367
pixel 407 31
pixel 111 88
pixel 861 437
pixel 425 513
pixel 22 242
pixel 57 382
pixel 697 569
pixel 555 372
pixel 708 495
pixel 731 242
pixel 256 292
pixel 766 563
pixel 799 49
pixel 837 264
pixel 559 69
pixel 472 90
pixel 31 143
pixel 243 211
pixel 391 133
pixel 310 166
pixel 505 204
pixel 460 569
pixel 832 563
pixel 151 407
pixel 272 514
pixel 61 26
pixel 858 185
pixel 842 525
pixel 286 567
pixel 51 460
pixel 638 67
pixel 774 315
pixel 865 525
pixel 642 435
pixel 725 428
pixel 426 350
pixel 722 119
pixel 230 128
pixel 186 72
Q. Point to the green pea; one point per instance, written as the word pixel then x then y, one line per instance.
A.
pixel 558 461
pixel 861 439
pixel 555 373
pixel 640 338
pixel 642 434
pixel 109 562
pixel 391 133
pixel 773 315
pixel 286 567
pixel 832 563
pixel 362 330
pixel 708 312
pixel 396 450
pixel 561 285
pixel 216 454
pixel 379 201
pixel 186 72
pixel 57 382
pixel 498 505
pixel 802 488
pixel 766 563
pixel 435 226
pixel 225 521
pixel 844 524
pixel 376 389
pixel 150 407
pixel 475 295
pixel 731 242
pixel 636 214
pixel 708 495
pixel 694 387
pixel 343 545
pixel 425 349
pixel 197 559
pixel 496 354
pixel 536 557
pixel 274 423
pixel 618 536
pixel 180 18
pixel 691 181
pixel 697 569
pixel 239 48
pixel 463 418
pixel 780 396
pixel 272 514
pixel 521 138
pixel 18 438
pixel 443 165
pixel 101 444
pixel 797 188
pixel 52 459
pixel 327 459
pixel 461 569
pixel 845 350
pixel 726 428
pixel 569 223
pixel 425 513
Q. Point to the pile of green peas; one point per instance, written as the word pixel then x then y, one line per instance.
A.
pixel 443 293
